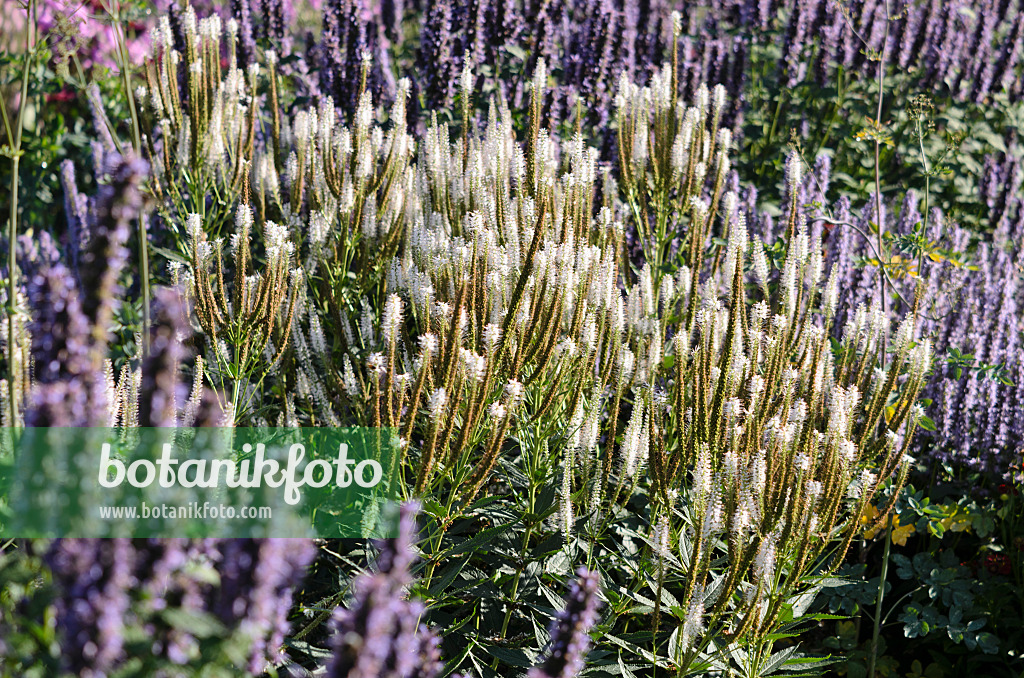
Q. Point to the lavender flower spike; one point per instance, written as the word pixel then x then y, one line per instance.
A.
pixel 380 636
pixel 95 578
pixel 570 631
pixel 161 390
pixel 66 391
pixel 257 579
pixel 119 202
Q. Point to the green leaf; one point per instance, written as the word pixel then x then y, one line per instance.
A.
pixel 308 649
pixel 904 568
pixel 448 576
pixel 798 667
pixel 516 51
pixel 777 660
pixel 623 669
pixel 988 643
pixel 674 650
pixel 198 624
pixel 170 255
pixel 510 656
pixel 636 649
pixel 456 662
pixel 433 508
pixel 834 582
pixel 479 540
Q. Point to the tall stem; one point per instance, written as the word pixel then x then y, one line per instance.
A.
pixel 14 146
pixel 878 177
pixel 876 627
pixel 927 193
pixel 12 286
pixel 144 273
pixel 771 130
pixel 532 505
pixel 125 67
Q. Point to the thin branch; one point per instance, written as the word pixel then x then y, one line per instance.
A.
pixel 881 263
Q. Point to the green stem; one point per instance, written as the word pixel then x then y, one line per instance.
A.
pixel 125 67
pixel 522 554
pixel 144 273
pixel 519 567
pixel 442 529
pixel 836 107
pixel 12 289
pixel 14 146
pixel 878 176
pixel 876 627
pixel 771 131
pixel 927 192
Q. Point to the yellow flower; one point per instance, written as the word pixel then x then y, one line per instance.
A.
pixel 961 524
pixel 901 532
pixel 958 521
pixel 868 516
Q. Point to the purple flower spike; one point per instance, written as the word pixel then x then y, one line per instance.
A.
pixel 76 209
pixel 161 390
pixel 380 635
pixel 257 577
pixel 95 576
pixel 570 631
pixel 68 388
pixel 242 13
pixel 119 203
